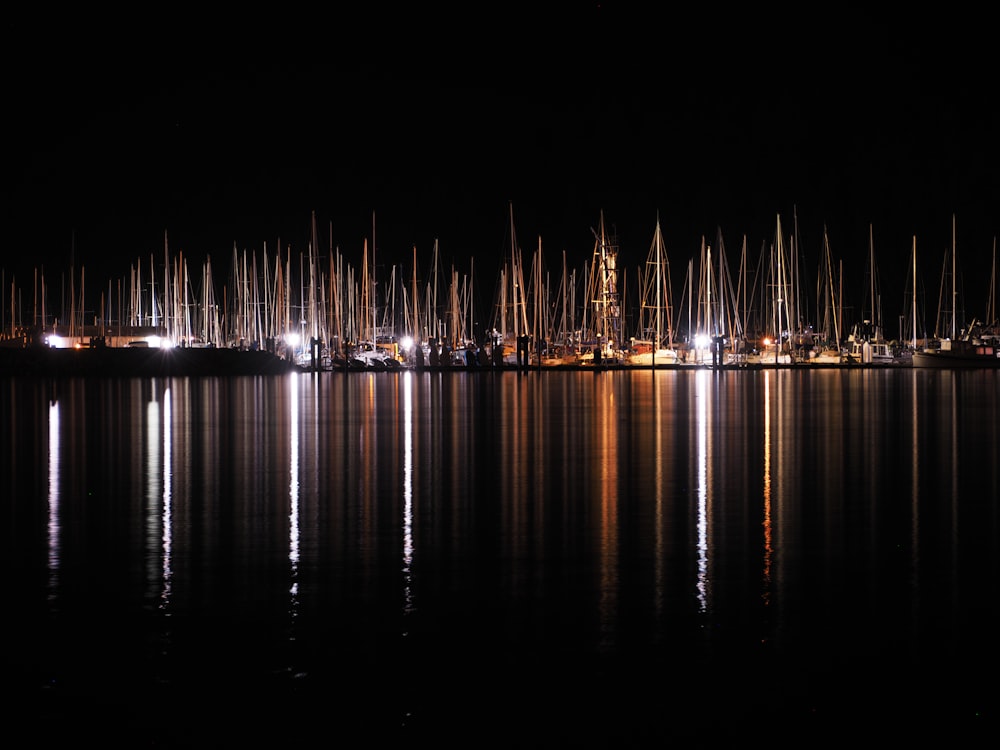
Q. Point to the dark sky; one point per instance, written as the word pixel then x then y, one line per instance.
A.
pixel 427 123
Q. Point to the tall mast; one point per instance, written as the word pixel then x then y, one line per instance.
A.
pixel 991 301
pixel 914 303
pixel 871 277
pixel 954 285
pixel 416 304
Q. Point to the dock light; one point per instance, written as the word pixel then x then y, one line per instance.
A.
pixel 701 341
pixel 406 343
pixel 293 339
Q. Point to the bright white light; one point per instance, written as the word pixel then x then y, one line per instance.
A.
pixel 406 343
pixel 701 341
pixel 293 339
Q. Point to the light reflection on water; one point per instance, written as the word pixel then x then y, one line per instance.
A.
pixel 53 505
pixel 293 488
pixel 765 530
pixel 702 421
pixel 408 491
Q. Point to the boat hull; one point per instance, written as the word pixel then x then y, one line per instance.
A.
pixel 948 361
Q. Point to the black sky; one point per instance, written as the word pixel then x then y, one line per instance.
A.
pixel 427 123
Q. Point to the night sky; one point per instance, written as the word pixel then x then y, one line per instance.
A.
pixel 425 123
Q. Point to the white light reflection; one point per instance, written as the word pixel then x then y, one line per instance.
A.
pixel 407 491
pixel 159 500
pixel 53 526
pixel 154 488
pixel 293 487
pixel 168 500
pixel 701 425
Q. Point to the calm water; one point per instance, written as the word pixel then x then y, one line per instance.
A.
pixel 552 558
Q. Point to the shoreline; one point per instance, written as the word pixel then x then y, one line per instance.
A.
pixel 139 362
pixel 45 361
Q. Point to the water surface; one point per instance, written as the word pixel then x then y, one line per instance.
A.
pixel 570 557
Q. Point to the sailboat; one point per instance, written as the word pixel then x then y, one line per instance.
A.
pixel 912 319
pixel 991 329
pixel 828 349
pixel 550 349
pixel 370 350
pixel 952 347
pixel 654 346
pixel 603 337
pixel 510 328
pixel 867 344
pixel 775 346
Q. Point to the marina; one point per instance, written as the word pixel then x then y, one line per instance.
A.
pixel 341 318
pixel 408 377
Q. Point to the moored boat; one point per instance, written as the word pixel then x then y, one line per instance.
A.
pixel 874 350
pixel 959 353
pixel 643 354
pixel 972 346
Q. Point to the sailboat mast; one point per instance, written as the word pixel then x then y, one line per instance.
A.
pixel 167 299
pixel 871 274
pixel 432 303
pixel 690 278
pixel 540 333
pixel 991 301
pixel 416 304
pixel 566 325
pixel 913 302
pixel 657 262
pixel 954 285
pixel 840 296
